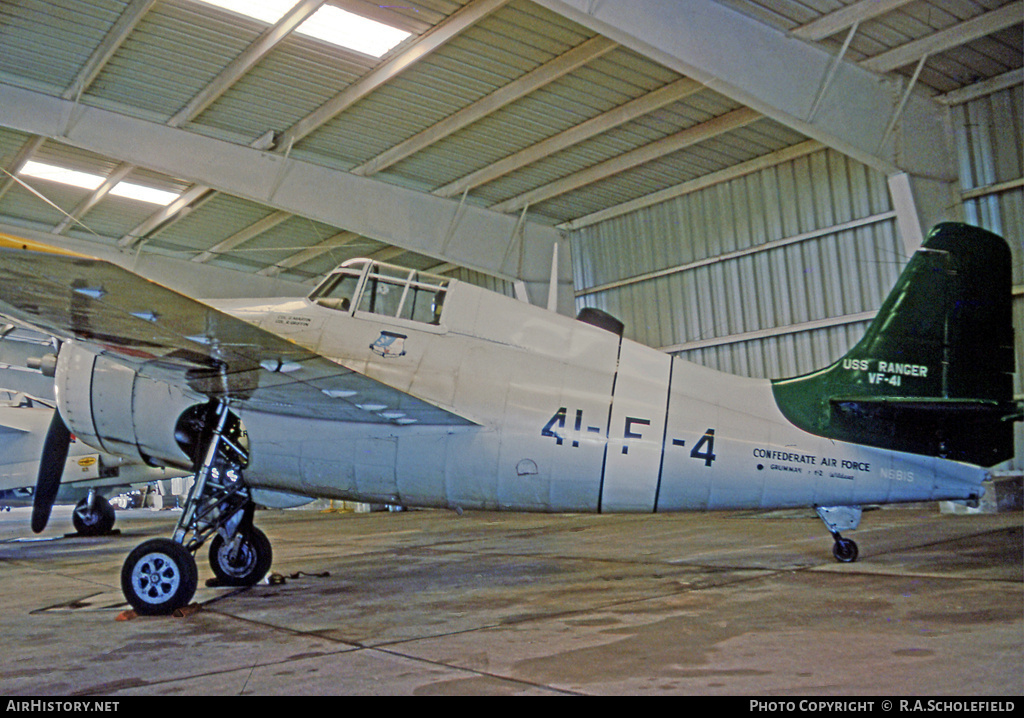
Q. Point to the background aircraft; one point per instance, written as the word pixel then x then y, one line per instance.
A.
pixel 87 476
pixel 391 386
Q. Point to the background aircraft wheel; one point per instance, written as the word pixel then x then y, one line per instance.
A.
pixel 845 550
pixel 158 577
pixel 248 566
pixel 96 521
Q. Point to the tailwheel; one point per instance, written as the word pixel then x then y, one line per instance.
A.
pixel 243 560
pixel 93 516
pixel 158 577
pixel 841 518
pixel 844 550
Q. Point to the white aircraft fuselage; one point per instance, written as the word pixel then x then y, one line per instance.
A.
pixel 568 417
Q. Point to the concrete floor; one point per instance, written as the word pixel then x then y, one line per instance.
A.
pixel 429 602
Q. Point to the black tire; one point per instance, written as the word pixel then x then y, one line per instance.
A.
pixel 845 550
pixel 96 522
pixel 250 565
pixel 158 577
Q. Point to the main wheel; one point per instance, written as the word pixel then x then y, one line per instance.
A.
pixel 94 521
pixel 845 550
pixel 248 565
pixel 158 577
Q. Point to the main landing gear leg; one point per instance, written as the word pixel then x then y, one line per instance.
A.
pixel 845 518
pixel 160 575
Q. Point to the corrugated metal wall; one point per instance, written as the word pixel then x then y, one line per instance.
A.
pixel 778 273
pixel 989 133
pixel 809 243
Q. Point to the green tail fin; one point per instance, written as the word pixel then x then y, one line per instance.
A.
pixel 933 373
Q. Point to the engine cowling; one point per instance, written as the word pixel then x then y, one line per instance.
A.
pixel 110 407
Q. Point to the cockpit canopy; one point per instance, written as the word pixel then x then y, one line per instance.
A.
pixel 363 285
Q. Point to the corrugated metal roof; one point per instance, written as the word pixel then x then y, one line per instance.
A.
pixel 150 60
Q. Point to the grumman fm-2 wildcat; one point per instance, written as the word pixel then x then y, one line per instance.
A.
pixel 387 385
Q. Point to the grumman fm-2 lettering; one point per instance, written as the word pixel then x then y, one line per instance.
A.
pixel 704 449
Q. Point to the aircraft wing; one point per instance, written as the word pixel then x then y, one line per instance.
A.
pixel 12 430
pixel 169 336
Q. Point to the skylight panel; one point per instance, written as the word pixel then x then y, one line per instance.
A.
pixel 87 180
pixel 329 24
pixel 63 175
pixel 139 192
pixel 340 27
pixel 268 11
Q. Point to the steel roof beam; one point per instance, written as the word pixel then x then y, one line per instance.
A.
pixel 459 21
pixel 162 215
pixel 231 74
pixel 779 76
pixel 241 65
pixel 111 181
pixel 628 160
pixel 105 50
pixel 838 20
pixel 240 237
pixel 26 153
pixel 990 22
pixel 416 221
pixel 728 174
pixel 517 89
pixel 310 253
pixel 113 40
pixel 615 117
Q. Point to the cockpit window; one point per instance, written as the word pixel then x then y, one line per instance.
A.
pixel 386 290
pixel 337 291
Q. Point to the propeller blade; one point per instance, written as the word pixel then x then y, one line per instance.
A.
pixel 51 467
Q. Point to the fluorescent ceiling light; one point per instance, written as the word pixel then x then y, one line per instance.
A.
pixel 87 180
pixel 330 24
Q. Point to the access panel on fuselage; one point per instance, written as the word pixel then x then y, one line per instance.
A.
pixel 555 427
pixel 720 428
pixel 636 430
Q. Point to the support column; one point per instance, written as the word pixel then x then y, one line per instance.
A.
pixel 921 203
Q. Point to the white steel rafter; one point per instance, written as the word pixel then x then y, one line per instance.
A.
pixel 459 21
pixel 780 76
pixel 515 90
pixel 421 222
pixel 237 69
pixel 604 122
pixel 634 158
pixel 961 34
pixel 845 17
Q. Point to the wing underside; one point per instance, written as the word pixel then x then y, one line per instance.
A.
pixel 168 336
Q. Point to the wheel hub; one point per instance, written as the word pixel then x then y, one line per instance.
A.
pixel 156 577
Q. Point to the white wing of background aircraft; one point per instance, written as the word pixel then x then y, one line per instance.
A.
pixel 86 477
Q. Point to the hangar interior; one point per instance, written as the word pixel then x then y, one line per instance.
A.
pixel 739 181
